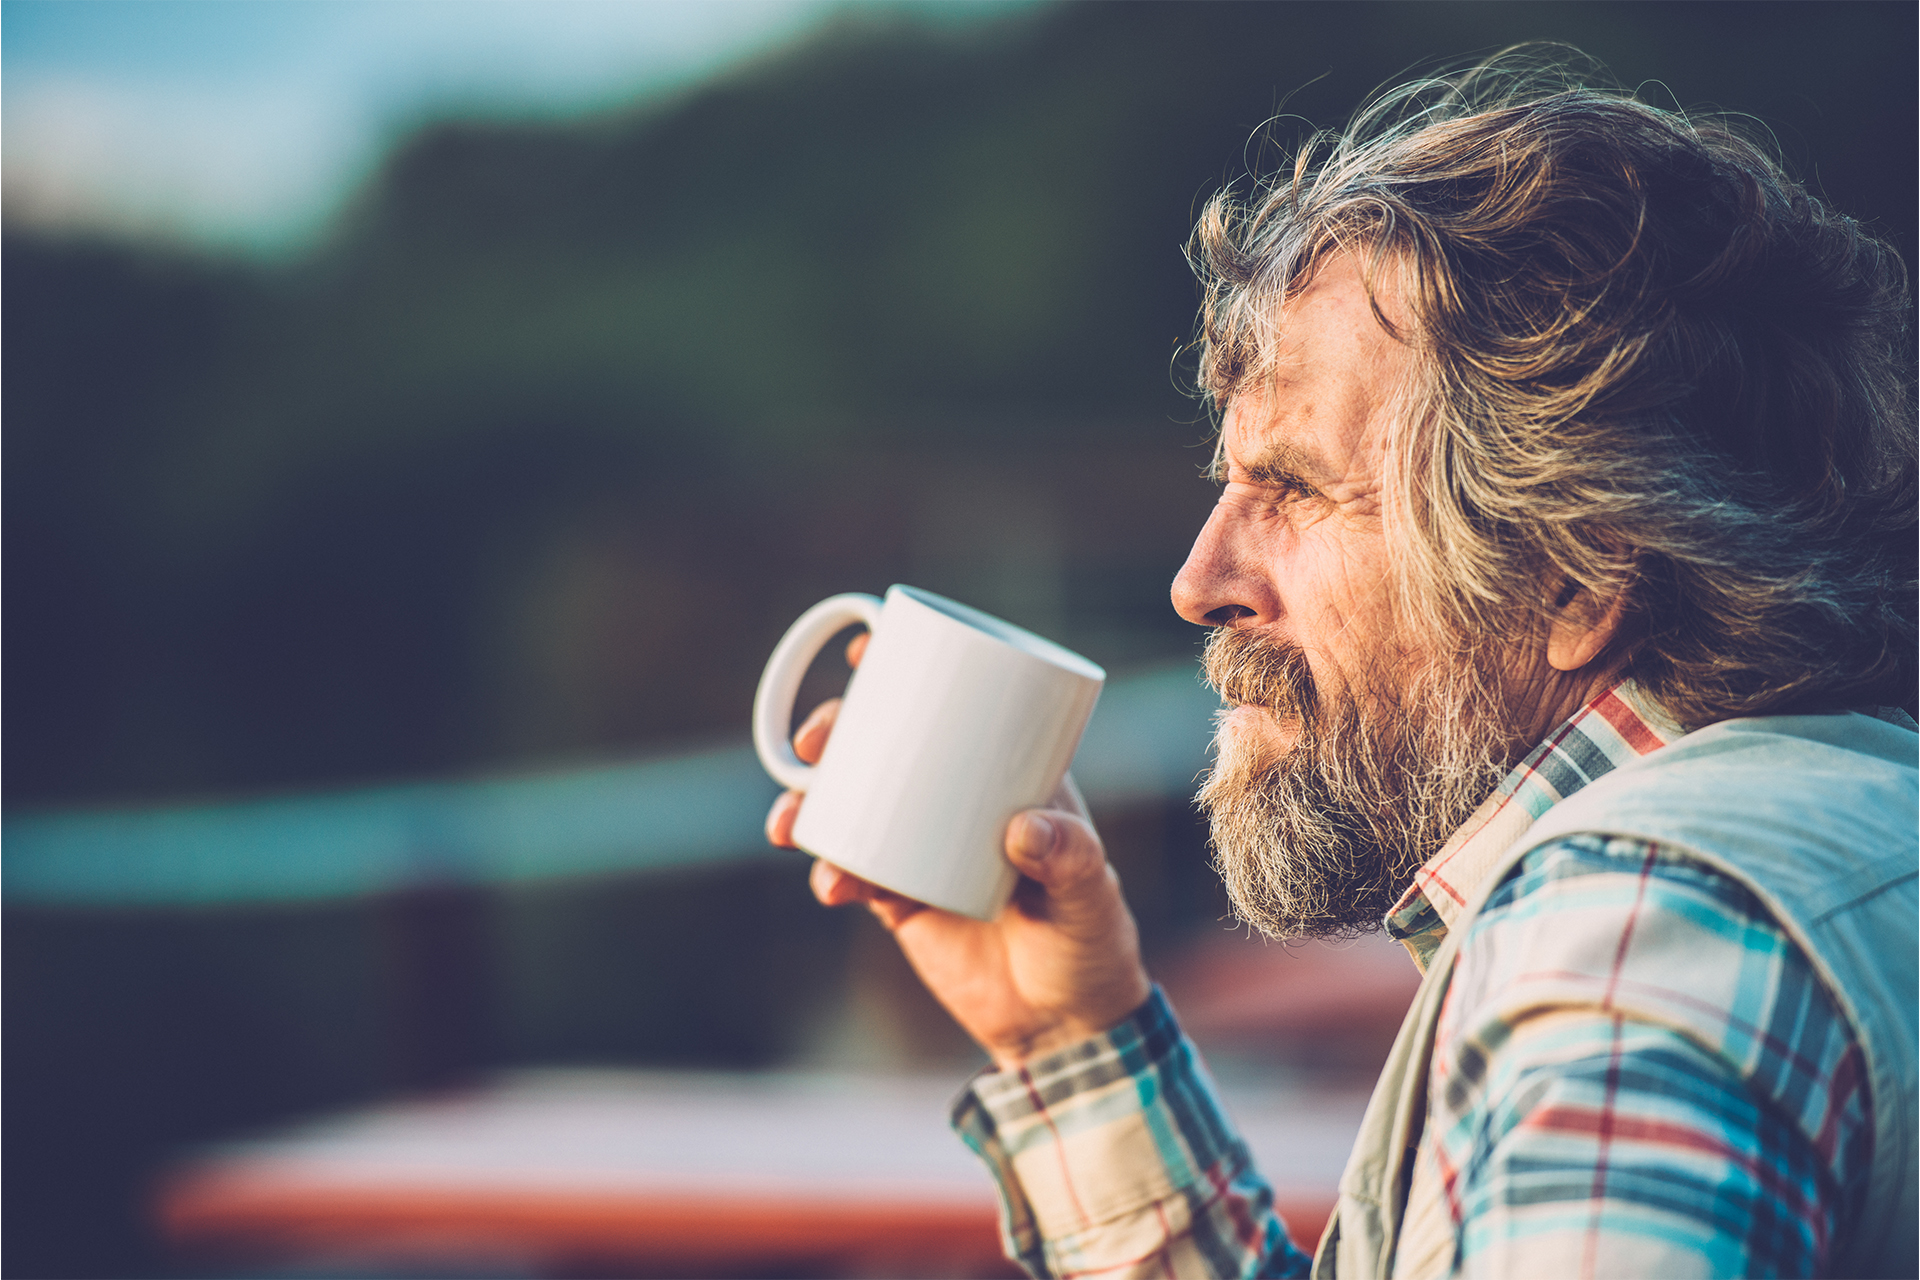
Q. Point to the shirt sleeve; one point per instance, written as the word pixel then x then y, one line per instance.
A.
pixel 1114 1158
pixel 1636 1073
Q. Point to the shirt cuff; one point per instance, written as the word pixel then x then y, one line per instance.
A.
pixel 1113 1147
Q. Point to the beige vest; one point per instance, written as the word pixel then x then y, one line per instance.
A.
pixel 1817 816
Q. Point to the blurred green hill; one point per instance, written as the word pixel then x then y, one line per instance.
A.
pixel 538 453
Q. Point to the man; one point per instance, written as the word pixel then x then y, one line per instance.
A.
pixel 1562 565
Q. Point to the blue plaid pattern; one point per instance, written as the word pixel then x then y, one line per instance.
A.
pixel 1635 1073
pixel 1138 1094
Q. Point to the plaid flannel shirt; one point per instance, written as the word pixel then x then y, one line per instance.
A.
pixel 1717 1124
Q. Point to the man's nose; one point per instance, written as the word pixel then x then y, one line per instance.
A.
pixel 1214 587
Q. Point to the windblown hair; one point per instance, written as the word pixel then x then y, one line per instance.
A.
pixel 1649 366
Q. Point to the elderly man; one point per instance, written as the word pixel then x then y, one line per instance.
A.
pixel 1562 568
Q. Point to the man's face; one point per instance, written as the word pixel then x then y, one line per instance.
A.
pixel 1347 752
pixel 1295 549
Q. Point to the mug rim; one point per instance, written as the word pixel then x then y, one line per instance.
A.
pixel 1035 646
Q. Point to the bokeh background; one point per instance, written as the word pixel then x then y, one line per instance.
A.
pixel 454 394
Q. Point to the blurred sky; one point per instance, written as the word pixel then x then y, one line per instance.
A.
pixel 244 124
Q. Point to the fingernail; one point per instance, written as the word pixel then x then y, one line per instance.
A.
pixel 1036 836
pixel 781 808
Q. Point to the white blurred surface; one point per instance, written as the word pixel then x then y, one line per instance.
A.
pixel 736 1135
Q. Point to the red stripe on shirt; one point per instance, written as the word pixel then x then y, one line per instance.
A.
pixel 1625 1128
pixel 1059 1148
pixel 1631 728
pixel 1603 1134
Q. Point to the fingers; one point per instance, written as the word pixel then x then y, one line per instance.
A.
pixel 1058 849
pixel 780 819
pixel 834 887
pixel 837 888
pixel 810 739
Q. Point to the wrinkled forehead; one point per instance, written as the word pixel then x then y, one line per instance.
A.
pixel 1277 328
pixel 1334 374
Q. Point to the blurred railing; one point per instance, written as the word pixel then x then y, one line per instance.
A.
pixel 1147 741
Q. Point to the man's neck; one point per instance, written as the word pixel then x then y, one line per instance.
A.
pixel 1547 699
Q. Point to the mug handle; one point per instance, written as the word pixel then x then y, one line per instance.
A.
pixel 780 682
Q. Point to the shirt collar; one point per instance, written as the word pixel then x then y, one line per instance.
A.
pixel 1619 726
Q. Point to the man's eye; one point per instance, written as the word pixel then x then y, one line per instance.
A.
pixel 1279 490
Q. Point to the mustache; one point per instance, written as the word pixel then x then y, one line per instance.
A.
pixel 1244 667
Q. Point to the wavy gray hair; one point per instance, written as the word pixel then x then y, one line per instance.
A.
pixel 1653 368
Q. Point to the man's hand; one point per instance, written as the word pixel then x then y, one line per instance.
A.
pixel 1061 963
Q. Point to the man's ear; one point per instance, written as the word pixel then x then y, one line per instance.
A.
pixel 1582 629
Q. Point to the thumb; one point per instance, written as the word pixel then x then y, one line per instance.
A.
pixel 1060 850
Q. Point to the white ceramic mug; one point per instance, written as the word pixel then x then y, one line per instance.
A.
pixel 954 722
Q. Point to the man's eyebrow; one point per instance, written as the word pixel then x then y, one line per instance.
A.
pixel 1278 463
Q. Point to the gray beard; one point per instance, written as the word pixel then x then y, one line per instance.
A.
pixel 1323 840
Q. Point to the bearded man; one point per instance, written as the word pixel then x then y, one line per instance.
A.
pixel 1561 576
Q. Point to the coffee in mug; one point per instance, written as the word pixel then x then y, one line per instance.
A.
pixel 953 722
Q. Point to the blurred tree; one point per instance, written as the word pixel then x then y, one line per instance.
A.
pixel 540 450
